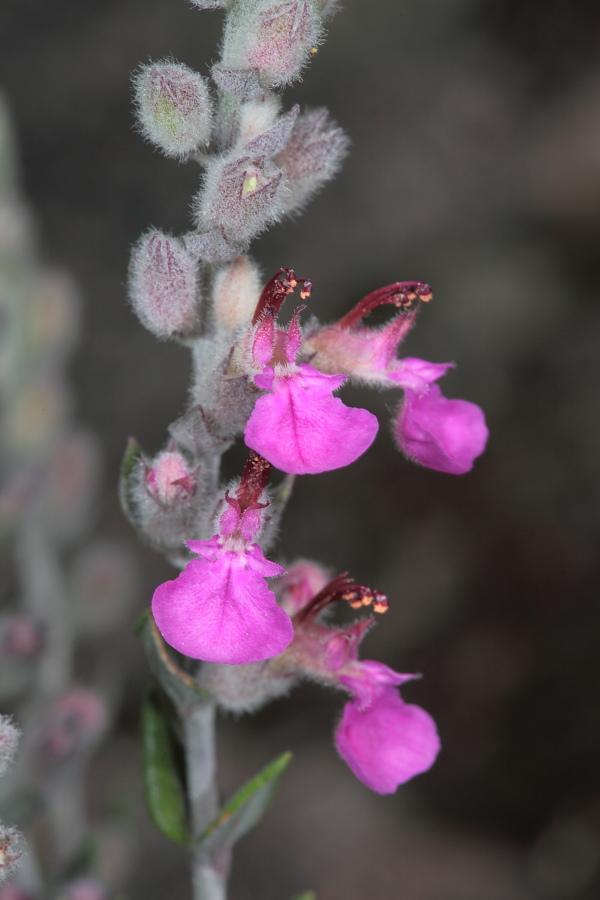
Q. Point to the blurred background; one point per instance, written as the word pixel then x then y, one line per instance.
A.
pixel 475 166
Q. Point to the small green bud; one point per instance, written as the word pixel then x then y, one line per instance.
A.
pixel 173 107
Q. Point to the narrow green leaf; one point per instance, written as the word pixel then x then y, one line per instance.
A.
pixel 307 895
pixel 246 807
pixel 132 460
pixel 165 794
pixel 181 688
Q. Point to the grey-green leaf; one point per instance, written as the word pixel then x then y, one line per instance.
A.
pixel 165 794
pixel 307 895
pixel 181 688
pixel 246 807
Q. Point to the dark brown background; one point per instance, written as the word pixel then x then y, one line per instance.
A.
pixel 476 167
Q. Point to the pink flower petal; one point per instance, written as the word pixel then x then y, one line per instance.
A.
pixel 388 743
pixel 446 435
pixel 302 429
pixel 222 611
pixel 414 374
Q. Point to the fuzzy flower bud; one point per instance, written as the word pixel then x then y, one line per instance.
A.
pixel 159 496
pixel 256 116
pixel 173 107
pixel 275 38
pixel 236 291
pixel 9 739
pixel 169 481
pixel 163 285
pixel 11 851
pixel 311 156
pixel 240 196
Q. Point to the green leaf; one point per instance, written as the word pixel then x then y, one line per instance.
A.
pixel 129 476
pixel 181 688
pixel 246 807
pixel 307 895
pixel 165 794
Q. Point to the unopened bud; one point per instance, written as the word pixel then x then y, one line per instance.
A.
pixel 241 196
pixel 163 285
pixel 236 292
pixel 9 739
pixel 173 107
pixel 11 851
pixel 169 481
pixel 73 724
pixel 160 497
pixel 275 38
pixel 311 157
pixel 257 116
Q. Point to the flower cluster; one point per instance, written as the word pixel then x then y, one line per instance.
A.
pixel 220 609
pixel 275 381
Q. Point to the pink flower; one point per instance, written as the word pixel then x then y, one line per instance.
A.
pixel 220 609
pixel 387 742
pixel 446 435
pixel 442 434
pixel 299 426
pixel 384 740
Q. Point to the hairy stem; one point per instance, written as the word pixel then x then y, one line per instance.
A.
pixel 209 876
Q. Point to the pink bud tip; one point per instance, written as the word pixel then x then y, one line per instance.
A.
pixel 446 435
pixel 169 480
